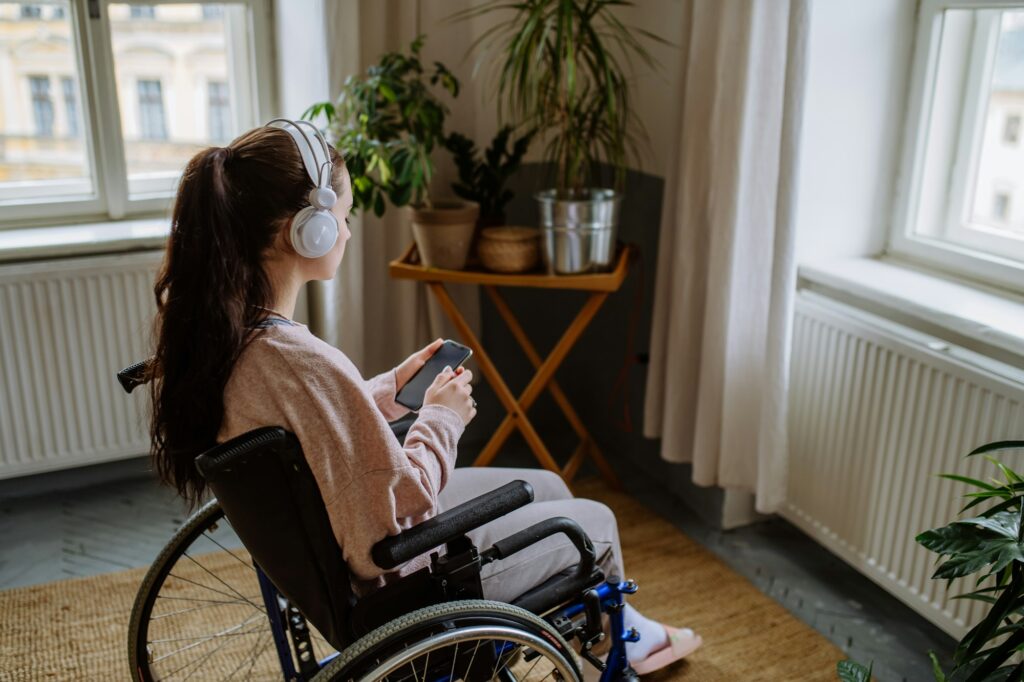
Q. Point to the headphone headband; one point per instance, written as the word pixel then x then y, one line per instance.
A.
pixel 315 157
pixel 314 229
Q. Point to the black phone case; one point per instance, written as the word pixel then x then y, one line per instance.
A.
pixel 412 394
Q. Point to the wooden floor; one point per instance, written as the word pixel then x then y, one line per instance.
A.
pixel 107 525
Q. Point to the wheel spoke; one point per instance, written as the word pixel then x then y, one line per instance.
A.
pixel 220 580
pixel 247 564
pixel 455 657
pixel 209 638
pixel 205 601
pixel 472 658
pixel 204 637
pixel 205 587
pixel 194 608
pixel 254 658
pixel 535 662
pixel 498 667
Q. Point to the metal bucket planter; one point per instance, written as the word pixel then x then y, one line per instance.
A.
pixel 444 232
pixel 578 230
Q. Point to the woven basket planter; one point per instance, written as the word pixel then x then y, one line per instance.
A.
pixel 509 249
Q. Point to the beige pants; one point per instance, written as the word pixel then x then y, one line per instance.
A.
pixel 507 579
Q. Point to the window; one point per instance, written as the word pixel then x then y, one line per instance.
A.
pixel 218 110
pixel 157 81
pixel 67 86
pixel 42 105
pixel 151 110
pixel 963 158
pixel 1011 129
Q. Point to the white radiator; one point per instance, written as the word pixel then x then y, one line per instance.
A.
pixel 877 410
pixel 66 327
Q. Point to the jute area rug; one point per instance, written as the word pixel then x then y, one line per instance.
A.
pixel 77 629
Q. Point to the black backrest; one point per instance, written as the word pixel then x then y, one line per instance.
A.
pixel 269 495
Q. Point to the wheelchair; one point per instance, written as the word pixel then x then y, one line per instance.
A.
pixel 253 586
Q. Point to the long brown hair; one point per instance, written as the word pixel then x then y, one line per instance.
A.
pixel 232 203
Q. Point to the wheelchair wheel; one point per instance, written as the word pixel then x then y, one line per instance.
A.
pixel 463 641
pixel 199 613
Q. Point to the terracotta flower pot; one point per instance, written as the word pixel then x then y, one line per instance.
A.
pixel 444 232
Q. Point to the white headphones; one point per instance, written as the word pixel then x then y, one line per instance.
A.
pixel 314 229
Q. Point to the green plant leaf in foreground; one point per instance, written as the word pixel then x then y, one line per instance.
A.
pixel 936 667
pixel 990 544
pixel 851 671
pixel 997 445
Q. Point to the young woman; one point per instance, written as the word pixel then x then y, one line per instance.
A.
pixel 253 223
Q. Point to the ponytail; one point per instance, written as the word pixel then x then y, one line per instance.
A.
pixel 231 204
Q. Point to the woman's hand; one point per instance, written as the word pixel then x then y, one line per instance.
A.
pixel 453 390
pixel 412 364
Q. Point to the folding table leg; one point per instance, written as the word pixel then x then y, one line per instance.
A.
pixel 588 446
pixel 515 414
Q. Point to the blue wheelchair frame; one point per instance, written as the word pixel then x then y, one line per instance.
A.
pixel 611 595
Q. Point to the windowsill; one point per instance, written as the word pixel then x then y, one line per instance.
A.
pixel 988 321
pixel 82 240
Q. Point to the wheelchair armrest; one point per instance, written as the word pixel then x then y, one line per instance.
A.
pixel 584 575
pixel 397 549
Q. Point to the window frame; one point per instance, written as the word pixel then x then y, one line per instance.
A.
pixel 960 259
pixel 104 145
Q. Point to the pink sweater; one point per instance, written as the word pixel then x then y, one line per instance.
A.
pixel 372 485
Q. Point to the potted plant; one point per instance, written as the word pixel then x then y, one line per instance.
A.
pixel 482 179
pixel 990 546
pixel 559 70
pixel 385 124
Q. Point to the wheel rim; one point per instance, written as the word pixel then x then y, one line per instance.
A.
pixel 524 656
pixel 203 616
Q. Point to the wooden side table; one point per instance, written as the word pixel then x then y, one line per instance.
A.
pixel 600 285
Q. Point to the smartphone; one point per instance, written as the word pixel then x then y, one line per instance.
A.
pixel 450 354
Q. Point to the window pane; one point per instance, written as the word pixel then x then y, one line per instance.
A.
pixel 177 86
pixel 999 177
pixel 42 151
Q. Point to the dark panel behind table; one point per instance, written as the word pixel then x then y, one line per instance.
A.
pixel 589 372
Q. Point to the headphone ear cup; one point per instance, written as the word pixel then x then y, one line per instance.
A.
pixel 314 232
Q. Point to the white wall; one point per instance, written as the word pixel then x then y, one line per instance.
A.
pixel 859 55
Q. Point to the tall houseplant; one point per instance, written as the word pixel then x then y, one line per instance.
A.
pixel 386 123
pixel 559 69
pixel 989 545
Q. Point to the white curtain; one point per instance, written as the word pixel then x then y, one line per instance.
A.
pixel 375 319
pixel 717 382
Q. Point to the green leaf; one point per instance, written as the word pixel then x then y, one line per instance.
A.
pixel 995 656
pixel 1010 475
pixel 936 668
pixel 997 445
pixel 966 563
pixel 968 481
pixel 951 539
pixel 1005 523
pixel 982 632
pixel 388 93
pixel 851 671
